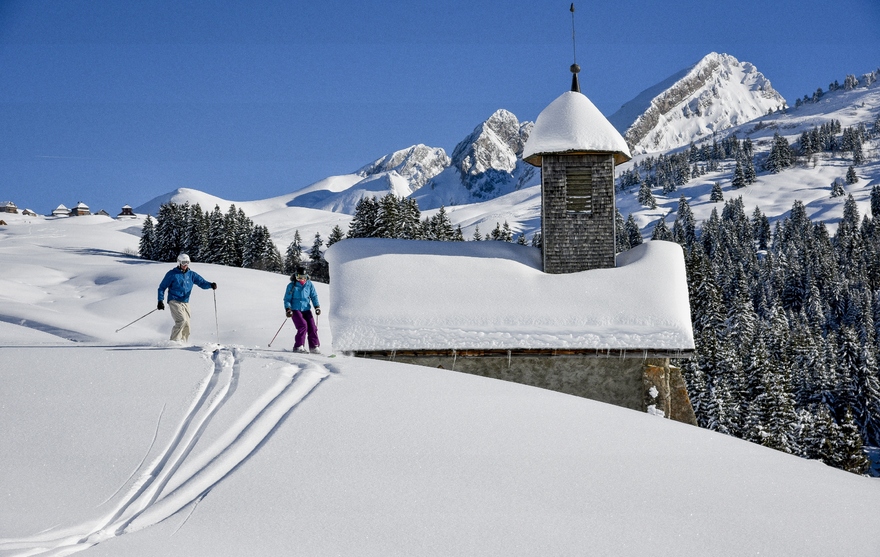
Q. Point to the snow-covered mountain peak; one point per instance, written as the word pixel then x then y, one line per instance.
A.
pixel 717 93
pixel 484 165
pixel 493 144
pixel 418 164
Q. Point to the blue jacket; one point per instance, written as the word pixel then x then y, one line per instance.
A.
pixel 297 296
pixel 179 284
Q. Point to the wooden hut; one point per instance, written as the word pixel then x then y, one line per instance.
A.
pixel 61 211
pixel 80 210
pixel 127 213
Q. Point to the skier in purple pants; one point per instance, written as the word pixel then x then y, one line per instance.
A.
pixel 298 299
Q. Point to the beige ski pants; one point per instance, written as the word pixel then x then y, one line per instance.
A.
pixel 181 315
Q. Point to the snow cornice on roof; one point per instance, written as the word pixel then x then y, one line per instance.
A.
pixel 572 124
pixel 398 295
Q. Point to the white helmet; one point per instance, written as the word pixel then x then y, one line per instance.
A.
pixel 182 258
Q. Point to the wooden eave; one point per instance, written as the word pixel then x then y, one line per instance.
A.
pixel 619 157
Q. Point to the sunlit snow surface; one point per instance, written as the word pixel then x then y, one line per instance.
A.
pixel 120 443
pixel 398 294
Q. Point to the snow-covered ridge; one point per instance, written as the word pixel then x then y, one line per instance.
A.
pixel 417 164
pixel 485 165
pixel 717 93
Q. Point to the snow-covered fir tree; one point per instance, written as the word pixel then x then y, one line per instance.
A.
pixel 147 243
pixel 319 269
pixel 293 257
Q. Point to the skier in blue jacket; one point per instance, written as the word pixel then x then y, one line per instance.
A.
pixel 179 282
pixel 298 299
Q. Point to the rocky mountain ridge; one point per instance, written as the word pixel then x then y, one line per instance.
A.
pixel 717 93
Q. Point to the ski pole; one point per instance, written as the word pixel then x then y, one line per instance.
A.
pixel 136 320
pixel 216 319
pixel 276 333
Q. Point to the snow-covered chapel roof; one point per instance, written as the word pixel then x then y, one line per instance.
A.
pixel 423 295
pixel 572 124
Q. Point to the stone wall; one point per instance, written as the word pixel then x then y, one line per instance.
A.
pixel 577 241
pixel 625 382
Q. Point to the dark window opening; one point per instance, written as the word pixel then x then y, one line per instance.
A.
pixel 579 190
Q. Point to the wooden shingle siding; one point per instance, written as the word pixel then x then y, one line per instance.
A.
pixel 578 212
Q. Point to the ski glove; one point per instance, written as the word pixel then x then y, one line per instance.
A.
pixel 317 311
pixel 161 305
pixel 289 312
pixel 213 286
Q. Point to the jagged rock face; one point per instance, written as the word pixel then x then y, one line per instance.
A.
pixel 489 159
pixel 417 164
pixel 718 93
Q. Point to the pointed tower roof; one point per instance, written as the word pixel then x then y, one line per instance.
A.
pixel 572 124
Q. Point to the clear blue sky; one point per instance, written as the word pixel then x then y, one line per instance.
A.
pixel 114 102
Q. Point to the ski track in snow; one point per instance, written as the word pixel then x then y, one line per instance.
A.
pixel 179 476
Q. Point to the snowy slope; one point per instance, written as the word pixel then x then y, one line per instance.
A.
pixel 809 181
pixel 717 93
pixel 122 440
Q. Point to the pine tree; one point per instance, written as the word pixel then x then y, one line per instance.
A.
pixel 686 223
pixel 363 223
pixel 634 234
pixel 851 453
pixel 217 247
pixel 717 193
pixel 739 177
pixel 318 268
pixel 293 256
pixel 388 219
pixel 257 253
pixel 875 202
pixel 621 238
pixel 506 232
pixel 477 236
pixel 851 176
pixel 336 235
pixel 538 242
pixel 761 229
pixel 661 232
pixel 169 232
pixel 781 156
pixel 645 197
pixel 441 226
pixel 410 218
pixel 749 171
pixel 147 244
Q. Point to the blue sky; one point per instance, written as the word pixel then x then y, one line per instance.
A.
pixel 116 102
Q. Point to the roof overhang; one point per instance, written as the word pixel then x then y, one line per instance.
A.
pixel 537 158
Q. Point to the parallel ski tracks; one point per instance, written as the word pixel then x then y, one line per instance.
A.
pixel 180 476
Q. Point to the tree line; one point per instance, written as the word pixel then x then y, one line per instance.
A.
pixel 399 217
pixel 229 238
pixel 232 238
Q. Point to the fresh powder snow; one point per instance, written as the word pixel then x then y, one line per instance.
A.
pixel 122 443
pixel 493 295
pixel 573 123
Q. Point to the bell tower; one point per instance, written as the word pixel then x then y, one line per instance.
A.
pixel 576 148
